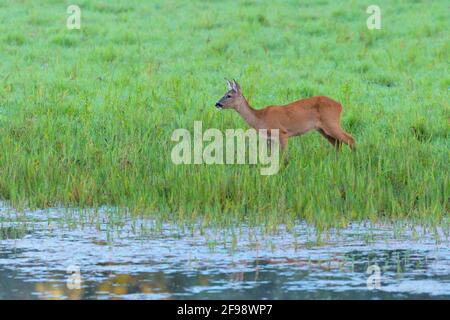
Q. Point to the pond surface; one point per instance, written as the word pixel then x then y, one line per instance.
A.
pixel 52 254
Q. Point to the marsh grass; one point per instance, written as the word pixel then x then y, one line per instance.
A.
pixel 86 115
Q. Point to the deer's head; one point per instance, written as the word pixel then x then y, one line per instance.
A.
pixel 232 98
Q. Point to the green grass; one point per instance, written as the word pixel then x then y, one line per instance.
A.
pixel 86 115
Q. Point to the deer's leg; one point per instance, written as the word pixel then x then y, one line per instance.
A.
pixel 269 146
pixel 337 133
pixel 335 142
pixel 284 147
pixel 269 142
pixel 328 137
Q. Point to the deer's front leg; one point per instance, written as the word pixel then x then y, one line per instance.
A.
pixel 284 147
pixel 269 142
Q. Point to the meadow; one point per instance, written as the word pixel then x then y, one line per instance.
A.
pixel 86 115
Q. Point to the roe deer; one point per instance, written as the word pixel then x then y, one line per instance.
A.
pixel 320 113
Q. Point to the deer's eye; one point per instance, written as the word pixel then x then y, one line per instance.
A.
pixel 228 95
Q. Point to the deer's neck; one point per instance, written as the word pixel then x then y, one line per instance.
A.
pixel 249 114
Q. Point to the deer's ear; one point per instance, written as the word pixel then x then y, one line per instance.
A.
pixel 229 84
pixel 236 86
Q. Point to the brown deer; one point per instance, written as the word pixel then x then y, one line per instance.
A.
pixel 294 119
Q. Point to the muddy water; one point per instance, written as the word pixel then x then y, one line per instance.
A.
pixel 49 254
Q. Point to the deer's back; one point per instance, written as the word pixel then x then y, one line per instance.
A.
pixel 302 115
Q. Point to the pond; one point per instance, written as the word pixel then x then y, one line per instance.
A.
pixel 51 254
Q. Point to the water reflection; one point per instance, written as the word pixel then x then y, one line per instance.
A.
pixel 170 264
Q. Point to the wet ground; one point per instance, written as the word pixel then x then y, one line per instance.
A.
pixel 53 254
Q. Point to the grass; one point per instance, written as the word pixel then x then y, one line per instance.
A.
pixel 86 115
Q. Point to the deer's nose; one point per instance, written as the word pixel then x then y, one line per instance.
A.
pixel 218 104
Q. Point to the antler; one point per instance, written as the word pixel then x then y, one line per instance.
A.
pixel 229 83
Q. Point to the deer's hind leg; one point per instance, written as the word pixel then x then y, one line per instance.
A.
pixel 336 132
pixel 335 142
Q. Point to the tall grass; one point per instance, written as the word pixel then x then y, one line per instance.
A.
pixel 86 115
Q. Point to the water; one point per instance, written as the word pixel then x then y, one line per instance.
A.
pixel 119 258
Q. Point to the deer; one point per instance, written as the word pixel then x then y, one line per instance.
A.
pixel 319 113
